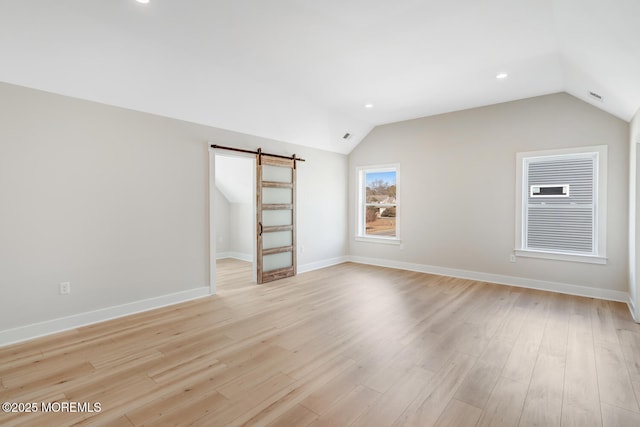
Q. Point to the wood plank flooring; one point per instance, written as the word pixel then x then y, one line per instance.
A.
pixel 349 345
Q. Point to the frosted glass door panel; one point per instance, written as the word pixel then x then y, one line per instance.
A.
pixel 276 239
pixel 276 261
pixel 276 218
pixel 270 218
pixel 276 173
pixel 276 195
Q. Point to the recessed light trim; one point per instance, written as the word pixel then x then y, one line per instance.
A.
pixel 502 76
pixel 368 105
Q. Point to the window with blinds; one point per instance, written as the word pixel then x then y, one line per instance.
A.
pixel 559 205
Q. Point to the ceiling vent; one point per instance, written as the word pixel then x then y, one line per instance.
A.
pixel 595 96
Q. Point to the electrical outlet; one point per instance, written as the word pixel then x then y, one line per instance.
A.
pixel 301 249
pixel 65 288
pixel 512 258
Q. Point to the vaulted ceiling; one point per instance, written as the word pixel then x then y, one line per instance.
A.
pixel 234 178
pixel 301 71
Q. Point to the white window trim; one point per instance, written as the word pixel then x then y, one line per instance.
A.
pixel 361 197
pixel 600 201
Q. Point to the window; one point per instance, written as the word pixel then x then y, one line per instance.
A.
pixel 378 204
pixel 561 204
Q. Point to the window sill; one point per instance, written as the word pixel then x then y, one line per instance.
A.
pixel 590 259
pixel 383 240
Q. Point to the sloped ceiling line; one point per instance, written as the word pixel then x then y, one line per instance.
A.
pixel 234 178
pixel 301 72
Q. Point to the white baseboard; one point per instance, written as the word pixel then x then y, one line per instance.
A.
pixel 304 268
pixel 563 288
pixel 23 333
pixel 235 255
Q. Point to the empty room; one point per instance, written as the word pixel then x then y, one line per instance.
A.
pixel 320 213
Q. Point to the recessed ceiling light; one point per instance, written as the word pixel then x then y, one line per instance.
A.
pixel 143 1
pixel 368 105
pixel 501 76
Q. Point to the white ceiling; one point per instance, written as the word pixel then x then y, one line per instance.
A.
pixel 301 71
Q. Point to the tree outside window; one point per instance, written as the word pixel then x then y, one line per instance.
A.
pixel 378 202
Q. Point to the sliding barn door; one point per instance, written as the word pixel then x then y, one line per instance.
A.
pixel 276 217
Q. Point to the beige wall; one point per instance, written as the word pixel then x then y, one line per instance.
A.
pixel 634 199
pixel 242 228
pixel 457 189
pixel 222 206
pixel 117 203
pixel 235 228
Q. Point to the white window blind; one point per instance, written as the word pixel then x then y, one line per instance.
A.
pixel 561 201
pixel 562 224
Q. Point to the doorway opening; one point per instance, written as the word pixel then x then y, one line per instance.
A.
pixel 234 203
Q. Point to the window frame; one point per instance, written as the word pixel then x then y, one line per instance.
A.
pixel 599 255
pixel 361 188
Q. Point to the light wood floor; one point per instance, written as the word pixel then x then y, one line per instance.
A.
pixel 347 345
pixel 233 274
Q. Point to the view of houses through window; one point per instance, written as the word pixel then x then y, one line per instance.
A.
pixel 380 203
